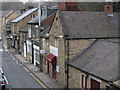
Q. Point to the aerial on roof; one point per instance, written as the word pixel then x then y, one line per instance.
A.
pixel 101 60
pixel 89 24
pixel 24 15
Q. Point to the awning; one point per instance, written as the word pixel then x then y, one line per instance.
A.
pixel 51 58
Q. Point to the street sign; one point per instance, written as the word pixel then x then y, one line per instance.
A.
pixel 42 51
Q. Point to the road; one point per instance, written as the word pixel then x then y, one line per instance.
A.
pixel 17 77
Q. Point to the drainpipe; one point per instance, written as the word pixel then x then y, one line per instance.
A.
pixel 39 31
pixel 32 52
pixel 66 65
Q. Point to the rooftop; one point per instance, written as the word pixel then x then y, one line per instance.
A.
pixel 24 15
pixel 89 24
pixel 100 60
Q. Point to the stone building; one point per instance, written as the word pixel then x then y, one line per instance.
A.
pixel 72 32
pixel 6 19
pixel 96 67
pixel 19 27
pixel 34 42
pixel 61 48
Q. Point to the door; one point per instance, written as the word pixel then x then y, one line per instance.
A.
pixel 54 70
pixel 95 85
pixel 24 50
pixel 47 67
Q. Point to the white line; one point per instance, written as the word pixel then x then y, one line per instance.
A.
pixel 6 80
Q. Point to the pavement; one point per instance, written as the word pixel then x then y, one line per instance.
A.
pixel 43 79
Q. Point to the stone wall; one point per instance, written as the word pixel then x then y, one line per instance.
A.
pixel 74 47
pixel 75 79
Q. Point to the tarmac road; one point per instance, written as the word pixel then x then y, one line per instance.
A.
pixel 17 77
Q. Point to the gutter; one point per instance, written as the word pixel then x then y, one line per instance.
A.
pixel 72 38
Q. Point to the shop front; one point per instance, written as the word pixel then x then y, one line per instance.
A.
pixel 51 65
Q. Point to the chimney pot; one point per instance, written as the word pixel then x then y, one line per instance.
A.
pixel 109 8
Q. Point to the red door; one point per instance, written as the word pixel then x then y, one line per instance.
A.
pixel 95 85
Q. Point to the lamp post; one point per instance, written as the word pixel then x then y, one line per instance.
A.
pixel 39 31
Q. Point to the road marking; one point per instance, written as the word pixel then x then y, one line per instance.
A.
pixel 34 77
pixel 6 80
pixel 25 69
pixel 38 81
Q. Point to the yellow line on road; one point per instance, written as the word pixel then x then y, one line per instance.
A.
pixel 25 69
pixel 34 77
pixel 39 82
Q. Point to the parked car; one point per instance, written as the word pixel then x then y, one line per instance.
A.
pixel 2 79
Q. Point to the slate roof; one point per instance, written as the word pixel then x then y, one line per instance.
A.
pixel 44 33
pixel 35 21
pixel 6 13
pixel 47 23
pixel 100 60
pixel 2 13
pixel 24 15
pixel 89 24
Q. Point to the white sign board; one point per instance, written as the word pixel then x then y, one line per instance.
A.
pixel 54 50
pixel 42 51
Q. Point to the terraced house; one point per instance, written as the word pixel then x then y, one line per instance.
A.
pixel 6 19
pixel 34 42
pixel 19 29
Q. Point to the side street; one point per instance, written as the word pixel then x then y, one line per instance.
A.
pixel 63 46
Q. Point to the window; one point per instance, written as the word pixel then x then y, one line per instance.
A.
pixel 30 49
pixel 56 42
pixel 37 55
pixel 32 16
pixel 107 87
pixel 29 33
pixel 84 82
pixel 44 44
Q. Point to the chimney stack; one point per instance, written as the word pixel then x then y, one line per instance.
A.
pixel 68 6
pixel 22 10
pixel 109 9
